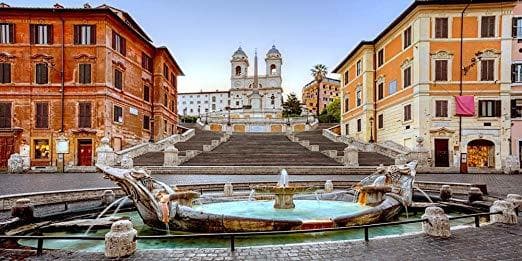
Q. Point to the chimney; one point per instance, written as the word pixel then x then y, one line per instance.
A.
pixel 87 6
pixel 57 6
pixel 4 5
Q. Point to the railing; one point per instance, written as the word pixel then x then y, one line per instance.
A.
pixel 232 236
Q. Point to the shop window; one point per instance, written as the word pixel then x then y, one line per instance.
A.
pixel 481 154
pixel 42 150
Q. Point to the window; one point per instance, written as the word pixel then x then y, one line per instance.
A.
pixel 517 27
pixel 346 77
pixel 516 73
pixel 380 58
pixel 41 34
pixel 441 108
pixel 119 43
pixel 42 150
pixel 359 67
pixel 441 70
pixel 5 72
pixel 7 34
pixel 166 71
pixel 273 70
pixel 516 109
pixel 85 34
pixel 146 122
pixel 146 93
pixel 118 79
pixel 441 27
pixel 487 68
pixel 85 73
pixel 407 77
pixel 487 26
pixel 358 96
pixel 84 115
pixel 214 98
pixel 380 91
pixel 238 70
pixel 146 62
pixel 392 87
pixel 359 125
pixel 380 121
pixel 346 104
pixel 173 80
pixel 347 128
pixel 165 126
pixel 165 100
pixel 117 114
pixel 5 115
pixel 41 73
pixel 407 37
pixel 407 112
pixel 42 115
pixel 489 108
pixel 213 107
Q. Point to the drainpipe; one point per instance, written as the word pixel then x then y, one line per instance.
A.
pixel 151 98
pixel 461 63
pixel 375 120
pixel 62 75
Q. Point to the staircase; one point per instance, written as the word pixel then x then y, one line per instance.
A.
pixel 260 150
pixel 365 158
pixel 200 138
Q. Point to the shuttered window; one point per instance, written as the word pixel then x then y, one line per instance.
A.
pixel 380 58
pixel 146 122
pixel 346 77
pixel 5 115
pixel 346 104
pixel 165 100
pixel 407 77
pixel 358 98
pixel 42 73
pixel 407 112
pixel 517 27
pixel 42 115
pixel 41 33
pixel 146 93
pixel 5 73
pixel 380 121
pixel 441 70
pixel 516 73
pixel 119 43
pixel 441 27
pixel 380 91
pixel 441 108
pixel 359 125
pixel 7 33
pixel 489 108
pixel 166 71
pixel 146 62
pixel 117 114
pixel 84 34
pixel 118 79
pixel 84 115
pixel 407 38
pixel 487 26
pixel 487 68
pixel 85 73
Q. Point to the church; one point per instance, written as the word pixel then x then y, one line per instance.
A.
pixel 258 93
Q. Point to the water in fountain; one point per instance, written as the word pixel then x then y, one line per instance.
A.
pixel 119 206
pixel 424 193
pixel 118 201
pixel 283 179
pixel 251 196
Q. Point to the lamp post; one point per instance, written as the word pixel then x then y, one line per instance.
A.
pixel 307 122
pixel 228 121
pixel 371 130
pixel 206 118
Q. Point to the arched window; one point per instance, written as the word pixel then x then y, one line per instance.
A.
pixel 238 70
pixel 273 69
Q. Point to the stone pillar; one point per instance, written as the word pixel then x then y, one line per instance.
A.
pixel 25 153
pixel 511 165
pixel 228 190
pixel 445 193
pixel 438 223
pixel 215 143
pixel 15 163
pixel 516 200
pixel 108 197
pixel 104 153
pixel 351 156
pixel 121 240
pixel 23 209
pixel 127 162
pixel 171 156
pixel 328 186
pixel 475 194
pixel 420 154
pixel 508 215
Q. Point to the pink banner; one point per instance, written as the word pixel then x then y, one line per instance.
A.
pixel 465 105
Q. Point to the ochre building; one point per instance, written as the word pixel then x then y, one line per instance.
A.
pixel 328 91
pixel 79 74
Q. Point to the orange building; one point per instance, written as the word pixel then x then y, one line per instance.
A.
pixel 328 91
pixel 77 75
pixel 404 84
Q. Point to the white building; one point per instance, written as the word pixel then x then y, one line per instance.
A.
pixel 198 103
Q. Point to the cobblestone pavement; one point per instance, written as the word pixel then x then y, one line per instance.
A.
pixel 498 185
pixel 494 242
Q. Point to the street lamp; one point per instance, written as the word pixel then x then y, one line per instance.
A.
pixel 206 118
pixel 371 130
pixel 307 114
pixel 228 121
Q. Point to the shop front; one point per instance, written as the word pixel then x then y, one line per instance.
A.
pixel 481 154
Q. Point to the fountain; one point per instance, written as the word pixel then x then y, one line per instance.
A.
pixel 283 192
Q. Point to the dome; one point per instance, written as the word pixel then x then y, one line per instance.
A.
pixel 239 53
pixel 273 52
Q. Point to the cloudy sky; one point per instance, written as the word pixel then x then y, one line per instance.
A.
pixel 203 34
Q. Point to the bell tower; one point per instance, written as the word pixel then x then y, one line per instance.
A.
pixel 239 68
pixel 273 62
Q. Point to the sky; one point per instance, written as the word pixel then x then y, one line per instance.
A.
pixel 203 34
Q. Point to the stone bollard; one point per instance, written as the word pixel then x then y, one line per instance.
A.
pixel 23 209
pixel 171 156
pixel 127 162
pixel 105 154
pixel 305 143
pixel 351 156
pixel 108 197
pixel 475 194
pixel 121 240
pixel 516 200
pixel 508 215
pixel 445 193
pixel 438 223
pixel 15 163
pixel 214 143
pixel 228 190
pixel 328 186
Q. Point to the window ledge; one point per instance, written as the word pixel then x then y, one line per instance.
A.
pixel 407 122
pixel 441 119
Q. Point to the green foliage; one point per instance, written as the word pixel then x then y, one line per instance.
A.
pixel 319 72
pixel 292 106
pixel 188 119
pixel 332 112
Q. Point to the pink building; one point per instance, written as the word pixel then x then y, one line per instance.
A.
pixel 516 87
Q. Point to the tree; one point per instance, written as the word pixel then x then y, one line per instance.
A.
pixel 332 112
pixel 319 72
pixel 292 106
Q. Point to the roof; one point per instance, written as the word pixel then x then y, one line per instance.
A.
pixel 332 80
pixel 202 92
pixel 164 48
pixel 404 14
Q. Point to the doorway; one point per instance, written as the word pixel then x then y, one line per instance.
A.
pixel 85 152
pixel 6 149
pixel 441 153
